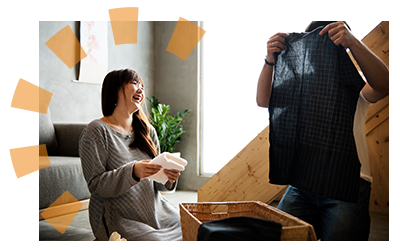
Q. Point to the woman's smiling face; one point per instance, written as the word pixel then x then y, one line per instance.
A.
pixel 132 95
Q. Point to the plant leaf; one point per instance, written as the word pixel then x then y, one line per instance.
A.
pixel 168 128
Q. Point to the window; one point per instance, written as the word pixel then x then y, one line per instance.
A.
pixel 232 59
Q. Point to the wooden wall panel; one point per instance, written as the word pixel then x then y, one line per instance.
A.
pixel 378 147
pixel 378 41
pixel 245 177
pixel 377 127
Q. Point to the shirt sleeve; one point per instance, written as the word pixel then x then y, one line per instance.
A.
pixel 102 182
pixel 365 99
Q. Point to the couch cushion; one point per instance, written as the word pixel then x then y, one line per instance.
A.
pixel 64 174
pixel 68 135
pixel 47 134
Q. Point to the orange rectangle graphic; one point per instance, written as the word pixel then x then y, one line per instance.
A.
pixel 185 38
pixel 66 46
pixel 30 97
pixel 68 206
pixel 26 160
pixel 124 24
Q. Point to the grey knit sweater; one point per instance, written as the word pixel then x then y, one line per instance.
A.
pixel 134 209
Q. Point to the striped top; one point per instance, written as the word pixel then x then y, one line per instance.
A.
pixel 118 202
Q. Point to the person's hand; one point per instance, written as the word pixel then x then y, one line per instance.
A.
pixel 339 34
pixel 172 174
pixel 275 44
pixel 143 169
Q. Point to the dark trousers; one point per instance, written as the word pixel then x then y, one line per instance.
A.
pixel 331 219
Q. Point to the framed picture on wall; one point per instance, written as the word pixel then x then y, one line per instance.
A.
pixel 93 38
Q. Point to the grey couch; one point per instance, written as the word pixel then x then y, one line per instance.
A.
pixel 65 172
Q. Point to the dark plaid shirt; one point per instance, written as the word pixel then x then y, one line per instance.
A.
pixel 312 105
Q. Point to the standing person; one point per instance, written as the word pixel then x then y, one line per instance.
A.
pixel 115 151
pixel 310 198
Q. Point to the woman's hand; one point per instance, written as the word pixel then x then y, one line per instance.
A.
pixel 143 169
pixel 339 34
pixel 172 174
pixel 275 44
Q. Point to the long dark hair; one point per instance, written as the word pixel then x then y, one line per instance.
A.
pixel 113 81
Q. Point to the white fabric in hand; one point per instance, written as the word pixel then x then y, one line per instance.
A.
pixel 167 161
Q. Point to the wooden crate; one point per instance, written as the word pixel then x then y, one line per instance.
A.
pixel 194 214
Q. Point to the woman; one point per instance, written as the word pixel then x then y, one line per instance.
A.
pixel 115 152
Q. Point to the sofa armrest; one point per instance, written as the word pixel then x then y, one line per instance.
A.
pixel 68 135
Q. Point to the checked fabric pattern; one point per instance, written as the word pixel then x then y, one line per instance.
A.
pixel 312 105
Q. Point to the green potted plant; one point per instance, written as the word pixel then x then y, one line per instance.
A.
pixel 169 128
